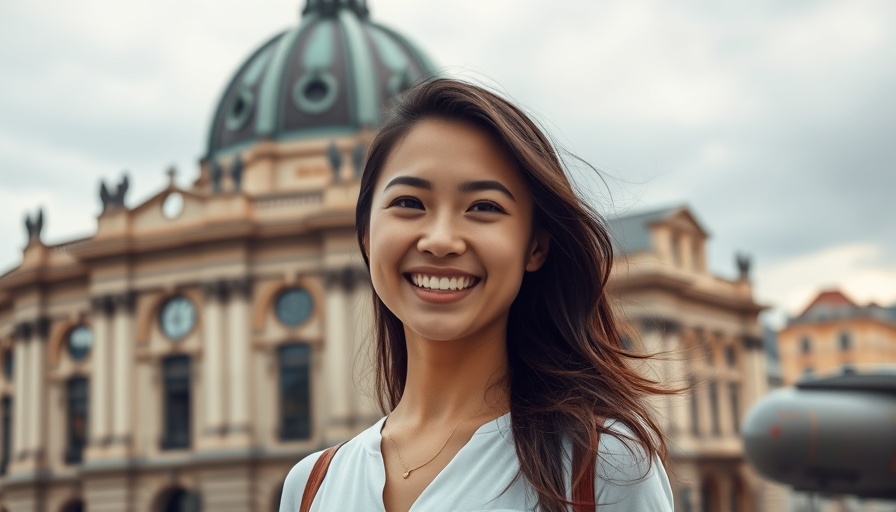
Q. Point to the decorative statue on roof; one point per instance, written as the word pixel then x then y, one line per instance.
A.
pixel 335 157
pixel 236 172
pixel 358 158
pixel 114 199
pixel 35 225
pixel 743 266
pixel 216 174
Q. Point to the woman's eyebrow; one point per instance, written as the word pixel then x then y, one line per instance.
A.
pixel 467 186
pixel 475 186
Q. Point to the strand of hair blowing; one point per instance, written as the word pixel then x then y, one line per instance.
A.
pixel 567 368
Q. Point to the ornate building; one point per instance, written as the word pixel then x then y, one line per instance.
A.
pixel 187 354
pixel 705 328
pixel 200 343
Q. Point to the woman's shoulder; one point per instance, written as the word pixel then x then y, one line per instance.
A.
pixel 297 478
pixel 627 475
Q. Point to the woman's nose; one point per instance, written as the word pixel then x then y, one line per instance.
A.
pixel 442 238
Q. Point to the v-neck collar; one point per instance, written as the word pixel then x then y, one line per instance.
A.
pixel 372 443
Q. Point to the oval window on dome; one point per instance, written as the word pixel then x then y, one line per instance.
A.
pixel 294 307
pixel 315 92
pixel 79 341
pixel 240 110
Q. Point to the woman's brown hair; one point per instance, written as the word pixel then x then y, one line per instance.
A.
pixel 568 370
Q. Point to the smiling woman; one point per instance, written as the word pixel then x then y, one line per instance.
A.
pixel 498 353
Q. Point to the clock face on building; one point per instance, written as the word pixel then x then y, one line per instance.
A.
pixel 177 318
pixel 294 307
pixel 80 339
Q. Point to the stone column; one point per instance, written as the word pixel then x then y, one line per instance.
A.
pixel 338 411
pixel 122 348
pixel 100 379
pixel 362 350
pixel 212 357
pixel 754 378
pixel 20 430
pixel 37 404
pixel 238 427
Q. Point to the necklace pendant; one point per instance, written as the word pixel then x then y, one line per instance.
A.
pixel 406 474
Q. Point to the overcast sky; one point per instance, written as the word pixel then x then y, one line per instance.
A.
pixel 774 121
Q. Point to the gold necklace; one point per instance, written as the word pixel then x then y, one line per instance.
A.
pixel 407 471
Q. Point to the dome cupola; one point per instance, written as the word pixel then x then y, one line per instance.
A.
pixel 329 75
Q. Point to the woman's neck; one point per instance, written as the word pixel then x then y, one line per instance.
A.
pixel 452 380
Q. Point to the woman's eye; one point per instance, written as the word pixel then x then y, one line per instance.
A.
pixel 407 202
pixel 486 206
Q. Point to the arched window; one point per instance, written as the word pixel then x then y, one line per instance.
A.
pixel 76 395
pixel 73 506
pixel 6 418
pixel 176 402
pixel 295 391
pixel 179 499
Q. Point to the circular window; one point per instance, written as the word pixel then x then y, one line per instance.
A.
pixel 173 205
pixel 294 307
pixel 80 339
pixel 177 318
pixel 315 92
pixel 240 110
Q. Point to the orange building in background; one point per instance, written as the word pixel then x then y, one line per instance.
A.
pixel 834 334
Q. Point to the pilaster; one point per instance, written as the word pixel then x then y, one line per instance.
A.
pixel 100 379
pixel 336 363
pixel 212 360
pixel 238 426
pixel 122 348
pixel 20 430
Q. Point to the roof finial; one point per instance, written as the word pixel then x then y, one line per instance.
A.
pixel 331 7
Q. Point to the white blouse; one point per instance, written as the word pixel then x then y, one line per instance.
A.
pixel 475 478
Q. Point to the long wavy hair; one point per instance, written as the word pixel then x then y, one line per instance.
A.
pixel 568 368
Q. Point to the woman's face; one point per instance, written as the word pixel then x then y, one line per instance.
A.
pixel 451 232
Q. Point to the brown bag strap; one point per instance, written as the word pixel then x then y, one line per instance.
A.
pixel 318 472
pixel 583 490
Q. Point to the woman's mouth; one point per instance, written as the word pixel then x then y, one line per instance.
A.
pixel 442 283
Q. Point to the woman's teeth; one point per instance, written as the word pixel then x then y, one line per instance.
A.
pixel 442 283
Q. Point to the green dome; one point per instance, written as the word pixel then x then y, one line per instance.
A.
pixel 329 75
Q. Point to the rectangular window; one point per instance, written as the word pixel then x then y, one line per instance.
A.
pixel 295 391
pixel 734 391
pixel 695 410
pixel 6 418
pixel 714 405
pixel 845 342
pixel 176 397
pixel 76 397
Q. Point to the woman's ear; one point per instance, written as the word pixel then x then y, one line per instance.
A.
pixel 538 251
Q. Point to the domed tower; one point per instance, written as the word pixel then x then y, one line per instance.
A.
pixel 319 84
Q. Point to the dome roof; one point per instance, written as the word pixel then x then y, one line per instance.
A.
pixel 329 75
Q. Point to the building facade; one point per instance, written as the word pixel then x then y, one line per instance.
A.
pixel 191 351
pixel 706 332
pixel 834 334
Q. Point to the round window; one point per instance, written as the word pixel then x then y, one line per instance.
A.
pixel 240 110
pixel 294 307
pixel 315 92
pixel 177 318
pixel 80 339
